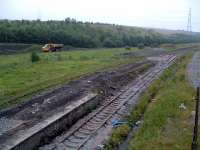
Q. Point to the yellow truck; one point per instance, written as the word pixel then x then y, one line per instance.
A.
pixel 52 47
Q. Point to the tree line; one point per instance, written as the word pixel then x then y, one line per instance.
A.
pixel 85 34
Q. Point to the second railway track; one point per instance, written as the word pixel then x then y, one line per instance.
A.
pixel 76 138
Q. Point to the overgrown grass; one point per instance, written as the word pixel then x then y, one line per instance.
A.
pixel 165 125
pixel 20 77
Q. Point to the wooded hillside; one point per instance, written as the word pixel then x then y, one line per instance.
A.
pixel 78 34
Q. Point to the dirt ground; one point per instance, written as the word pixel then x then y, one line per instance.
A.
pixel 39 107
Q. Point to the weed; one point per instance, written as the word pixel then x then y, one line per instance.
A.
pixel 34 57
pixel 117 137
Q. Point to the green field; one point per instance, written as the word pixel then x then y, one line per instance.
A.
pixel 19 77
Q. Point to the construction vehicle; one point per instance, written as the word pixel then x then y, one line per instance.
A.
pixel 52 47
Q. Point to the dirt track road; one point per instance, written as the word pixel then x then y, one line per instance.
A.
pixel 194 70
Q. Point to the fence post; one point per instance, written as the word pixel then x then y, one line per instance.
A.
pixel 195 133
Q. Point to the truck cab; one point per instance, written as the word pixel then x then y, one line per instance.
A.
pixel 51 47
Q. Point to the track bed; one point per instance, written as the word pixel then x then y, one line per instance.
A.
pixel 91 131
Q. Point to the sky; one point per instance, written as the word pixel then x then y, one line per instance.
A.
pixel 167 14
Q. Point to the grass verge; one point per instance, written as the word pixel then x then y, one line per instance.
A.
pixel 165 125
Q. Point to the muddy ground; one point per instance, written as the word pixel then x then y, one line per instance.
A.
pixel 104 83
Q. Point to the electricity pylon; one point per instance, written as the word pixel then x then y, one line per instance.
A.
pixel 189 25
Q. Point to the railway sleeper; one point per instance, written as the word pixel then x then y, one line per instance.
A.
pixel 80 135
pixel 90 128
pixel 83 130
pixel 99 118
pixel 70 145
pixel 95 122
pixel 73 139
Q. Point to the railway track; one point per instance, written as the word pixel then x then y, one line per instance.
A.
pixel 76 138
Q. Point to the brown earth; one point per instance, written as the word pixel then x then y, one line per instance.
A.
pixel 104 83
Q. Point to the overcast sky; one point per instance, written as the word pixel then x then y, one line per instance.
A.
pixel 171 14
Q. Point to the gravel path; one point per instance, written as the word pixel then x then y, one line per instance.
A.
pixel 194 70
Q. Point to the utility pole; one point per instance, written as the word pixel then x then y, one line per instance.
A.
pixel 195 131
pixel 39 14
pixel 189 25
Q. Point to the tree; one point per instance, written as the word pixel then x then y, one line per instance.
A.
pixel 78 34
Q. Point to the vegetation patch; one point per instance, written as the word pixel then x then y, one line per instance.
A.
pixel 34 57
pixel 118 135
pixel 22 75
pixel 165 125
pixel 86 35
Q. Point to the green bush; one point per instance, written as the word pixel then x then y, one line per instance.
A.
pixel 118 135
pixel 140 45
pixel 34 57
pixel 128 48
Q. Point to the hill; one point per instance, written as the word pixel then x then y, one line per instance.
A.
pixel 79 34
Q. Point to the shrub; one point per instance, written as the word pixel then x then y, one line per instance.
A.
pixel 128 48
pixel 34 57
pixel 118 135
pixel 140 45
